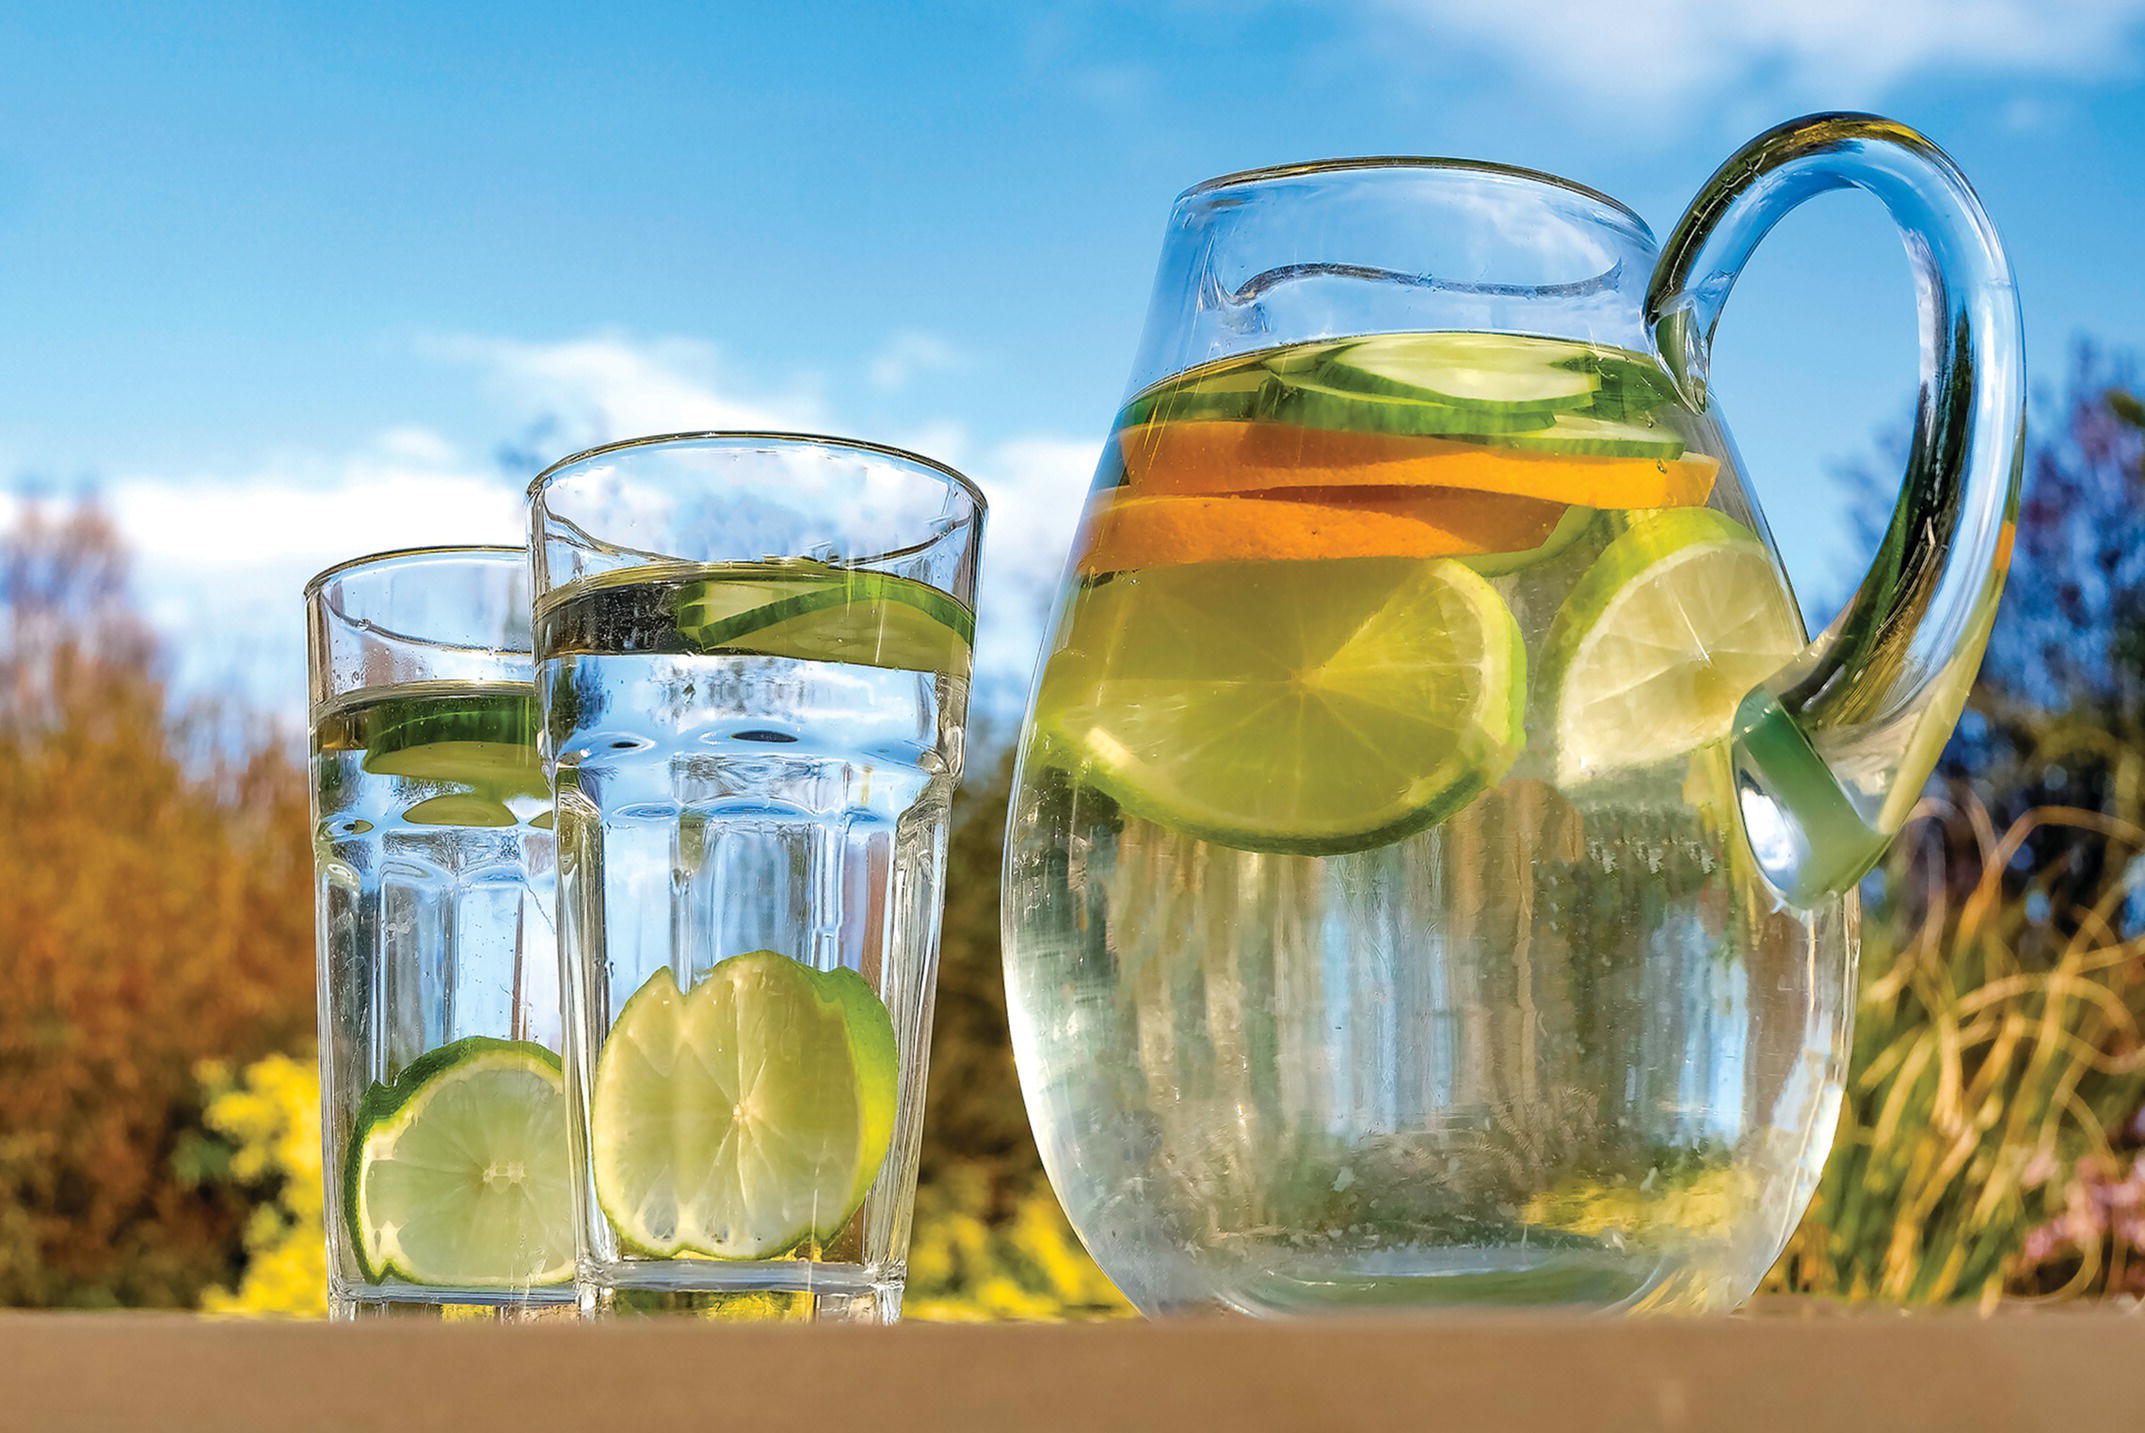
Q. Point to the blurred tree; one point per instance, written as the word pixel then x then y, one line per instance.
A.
pixel 156 910
pixel 974 1111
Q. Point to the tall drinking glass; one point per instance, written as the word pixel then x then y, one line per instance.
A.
pixel 752 658
pixel 443 1108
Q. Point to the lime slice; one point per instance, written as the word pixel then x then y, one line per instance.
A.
pixel 457 1172
pixel 1576 523
pixel 460 808
pixel 1661 638
pixel 822 614
pixel 747 1117
pixel 1314 707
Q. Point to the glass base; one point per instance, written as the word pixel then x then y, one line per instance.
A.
pixel 793 1291
pixel 453 1305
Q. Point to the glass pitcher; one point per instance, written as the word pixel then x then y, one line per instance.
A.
pixel 1431 872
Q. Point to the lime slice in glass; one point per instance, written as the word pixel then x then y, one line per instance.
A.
pixel 746 1117
pixel 457 1172
pixel 1658 641
pixel 1296 706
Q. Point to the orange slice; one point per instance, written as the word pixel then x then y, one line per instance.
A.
pixel 1128 531
pixel 1210 457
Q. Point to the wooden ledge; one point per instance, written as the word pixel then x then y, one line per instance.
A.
pixel 2068 1371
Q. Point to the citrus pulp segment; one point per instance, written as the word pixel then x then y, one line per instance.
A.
pixel 745 1117
pixel 1311 707
pixel 1130 531
pixel 1660 640
pixel 457 1172
pixel 1212 458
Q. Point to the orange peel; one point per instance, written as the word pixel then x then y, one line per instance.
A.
pixel 1128 531
pixel 1207 458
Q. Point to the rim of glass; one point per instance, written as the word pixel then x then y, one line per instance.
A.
pixel 393 555
pixel 543 480
pixel 1410 161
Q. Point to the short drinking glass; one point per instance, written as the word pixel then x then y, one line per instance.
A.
pixel 443 1108
pixel 752 660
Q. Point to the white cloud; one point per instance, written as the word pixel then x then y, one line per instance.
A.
pixel 2027 114
pixel 609 386
pixel 221 557
pixel 220 560
pixel 1645 56
pixel 906 355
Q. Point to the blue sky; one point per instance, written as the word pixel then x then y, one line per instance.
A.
pixel 284 279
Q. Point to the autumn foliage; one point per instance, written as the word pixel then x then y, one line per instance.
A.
pixel 154 908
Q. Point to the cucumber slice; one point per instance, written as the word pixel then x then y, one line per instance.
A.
pixel 1307 404
pixel 721 593
pixel 1575 524
pixel 484 741
pixel 1303 358
pixel 873 619
pixel 1469 370
pixel 1578 435
pixel 1234 395
pixel 1628 389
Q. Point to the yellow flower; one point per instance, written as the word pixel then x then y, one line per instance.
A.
pixel 271 1112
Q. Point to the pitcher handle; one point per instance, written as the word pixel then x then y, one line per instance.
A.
pixel 1832 753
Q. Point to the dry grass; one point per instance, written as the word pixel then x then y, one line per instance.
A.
pixel 1997 1046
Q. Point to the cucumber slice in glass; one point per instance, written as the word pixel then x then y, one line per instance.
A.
pixel 872 619
pixel 1628 389
pixel 483 741
pixel 1469 370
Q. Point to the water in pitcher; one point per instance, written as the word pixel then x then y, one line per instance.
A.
pixel 1380 930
